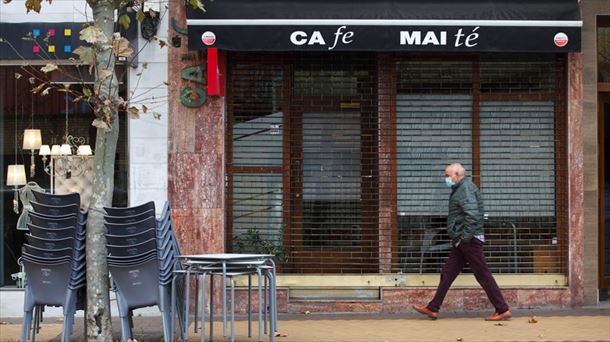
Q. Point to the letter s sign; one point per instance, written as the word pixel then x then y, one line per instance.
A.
pixel 298 38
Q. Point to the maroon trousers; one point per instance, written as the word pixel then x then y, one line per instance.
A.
pixel 471 253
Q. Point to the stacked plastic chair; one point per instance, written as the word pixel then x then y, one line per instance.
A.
pixel 54 259
pixel 141 260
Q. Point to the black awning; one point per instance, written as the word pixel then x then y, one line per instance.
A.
pixel 357 25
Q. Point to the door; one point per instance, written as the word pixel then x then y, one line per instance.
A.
pixel 333 165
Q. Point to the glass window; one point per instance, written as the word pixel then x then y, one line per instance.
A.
pixel 20 109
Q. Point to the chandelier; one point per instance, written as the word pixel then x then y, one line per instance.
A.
pixel 68 159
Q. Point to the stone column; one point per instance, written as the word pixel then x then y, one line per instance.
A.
pixel 575 178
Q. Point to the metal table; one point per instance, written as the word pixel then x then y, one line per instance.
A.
pixel 230 265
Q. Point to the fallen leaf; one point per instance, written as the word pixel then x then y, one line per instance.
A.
pixel 541 336
pixel 532 319
pixel 3 323
pixel 459 339
pixel 307 312
pixel 500 324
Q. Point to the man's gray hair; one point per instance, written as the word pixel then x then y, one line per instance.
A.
pixel 458 168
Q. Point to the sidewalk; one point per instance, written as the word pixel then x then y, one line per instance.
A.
pixel 559 325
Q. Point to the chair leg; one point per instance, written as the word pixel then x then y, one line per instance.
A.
pixel 260 309
pixel 211 307
pixel 203 275
pixel 232 309
pixel 36 326
pixel 173 310
pixel 25 325
pixel 196 302
pixel 249 307
pixel 125 331
pixel 187 288
pixel 265 304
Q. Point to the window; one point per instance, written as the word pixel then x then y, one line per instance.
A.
pixel 338 159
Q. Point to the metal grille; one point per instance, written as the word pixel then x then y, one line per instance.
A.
pixel 335 162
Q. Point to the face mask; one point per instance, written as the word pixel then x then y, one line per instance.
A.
pixel 449 181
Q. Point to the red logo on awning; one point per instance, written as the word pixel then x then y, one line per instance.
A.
pixel 208 38
pixel 561 39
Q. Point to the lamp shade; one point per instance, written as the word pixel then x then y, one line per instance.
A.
pixel 45 150
pixel 31 139
pixel 65 150
pixel 84 150
pixel 15 175
pixel 55 150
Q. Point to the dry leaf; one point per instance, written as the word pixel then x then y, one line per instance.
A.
pixel 500 324
pixel 133 112
pixel 307 312
pixel 99 124
pixel 92 35
pixel 3 323
pixel 105 73
pixel 532 319
pixel 120 48
pixel 48 68
pixel 85 54
pixel 277 334
pixel 132 340
pixel 39 87
pixel 459 339
pixel 17 75
pixel 32 80
pixel 33 5
pixel 541 336
pixel 125 20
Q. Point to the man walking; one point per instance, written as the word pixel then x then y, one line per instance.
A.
pixel 465 228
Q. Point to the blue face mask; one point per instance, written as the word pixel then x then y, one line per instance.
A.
pixel 449 181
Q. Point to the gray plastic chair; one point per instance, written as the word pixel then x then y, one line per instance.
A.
pixel 131 239
pixel 131 211
pixel 130 228
pixel 51 233
pixel 55 199
pixel 55 210
pixel 129 219
pixel 46 221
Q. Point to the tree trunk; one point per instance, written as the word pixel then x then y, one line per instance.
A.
pixel 99 327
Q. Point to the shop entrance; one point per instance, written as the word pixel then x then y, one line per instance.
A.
pixel 333 163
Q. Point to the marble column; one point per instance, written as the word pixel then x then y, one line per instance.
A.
pixel 196 155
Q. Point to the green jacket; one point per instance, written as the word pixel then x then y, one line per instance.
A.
pixel 465 217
